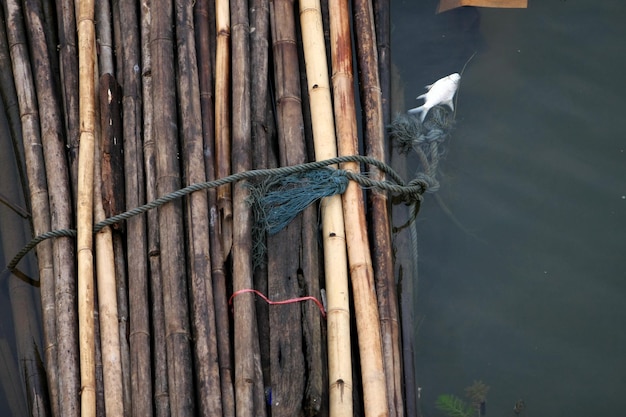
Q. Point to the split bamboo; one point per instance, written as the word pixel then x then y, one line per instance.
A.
pixel 157 309
pixel 204 20
pixel 206 369
pixel 374 134
pixel 21 97
pixel 249 390
pixel 222 123
pixel 335 258
pixel 173 267
pixel 84 211
pixel 360 262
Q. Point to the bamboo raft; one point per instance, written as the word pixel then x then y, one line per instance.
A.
pixel 113 104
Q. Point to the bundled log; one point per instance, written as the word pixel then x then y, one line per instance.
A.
pixel 135 195
pixel 172 256
pixel 207 376
pixel 293 260
pixel 169 346
pixel 249 389
pixel 205 31
pixel 335 258
pixel 361 270
pixel 374 134
pixel 157 309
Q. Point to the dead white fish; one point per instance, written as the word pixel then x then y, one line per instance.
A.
pixel 440 92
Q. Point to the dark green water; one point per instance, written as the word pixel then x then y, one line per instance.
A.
pixel 529 298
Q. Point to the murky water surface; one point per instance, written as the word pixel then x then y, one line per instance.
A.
pixel 528 295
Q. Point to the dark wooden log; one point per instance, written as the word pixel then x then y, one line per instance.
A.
pixel 205 45
pixel 173 267
pixel 293 261
pixel 249 390
pixel 159 365
pixel 135 195
pixel 206 369
pixel 68 57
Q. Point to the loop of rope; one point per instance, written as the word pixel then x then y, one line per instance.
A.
pixel 408 193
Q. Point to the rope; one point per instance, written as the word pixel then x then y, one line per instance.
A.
pixel 409 193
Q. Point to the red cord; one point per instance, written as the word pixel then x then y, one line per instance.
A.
pixel 289 301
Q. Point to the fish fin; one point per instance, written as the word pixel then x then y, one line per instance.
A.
pixel 422 96
pixel 422 110
pixel 429 86
pixel 416 110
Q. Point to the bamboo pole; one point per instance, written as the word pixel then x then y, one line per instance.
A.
pixel 157 309
pixel 259 70
pixel 296 241
pixel 374 134
pixel 136 241
pixel 61 215
pixel 21 95
pixel 335 258
pixel 84 211
pixel 106 282
pixel 382 19
pixel 249 390
pixel 360 262
pixel 68 56
pixel 173 267
pixel 207 376
pixel 217 277
pixel 260 135
pixel 222 123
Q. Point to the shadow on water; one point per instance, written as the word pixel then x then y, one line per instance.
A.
pixel 22 379
pixel 535 168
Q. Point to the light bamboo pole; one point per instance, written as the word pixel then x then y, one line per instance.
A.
pixel 222 122
pixel 360 261
pixel 335 258
pixel 84 209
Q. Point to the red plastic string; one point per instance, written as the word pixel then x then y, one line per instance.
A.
pixel 289 301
